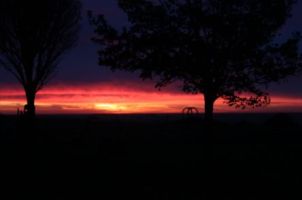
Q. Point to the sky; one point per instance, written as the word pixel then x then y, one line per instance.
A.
pixel 82 86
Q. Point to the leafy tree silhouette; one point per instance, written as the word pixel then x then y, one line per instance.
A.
pixel 219 48
pixel 33 37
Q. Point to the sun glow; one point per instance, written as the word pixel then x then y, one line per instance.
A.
pixel 110 107
pixel 110 98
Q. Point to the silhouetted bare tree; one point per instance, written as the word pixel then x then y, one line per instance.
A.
pixel 34 34
pixel 219 48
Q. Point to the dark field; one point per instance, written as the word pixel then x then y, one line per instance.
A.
pixel 244 156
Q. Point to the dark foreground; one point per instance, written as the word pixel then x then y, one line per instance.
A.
pixel 152 157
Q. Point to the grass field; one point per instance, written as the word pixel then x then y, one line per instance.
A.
pixel 244 156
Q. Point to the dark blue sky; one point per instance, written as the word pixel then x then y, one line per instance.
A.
pixel 80 65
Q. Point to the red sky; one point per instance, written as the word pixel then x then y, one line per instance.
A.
pixel 87 87
pixel 125 98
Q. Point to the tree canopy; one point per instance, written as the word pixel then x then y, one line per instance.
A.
pixel 219 48
pixel 34 35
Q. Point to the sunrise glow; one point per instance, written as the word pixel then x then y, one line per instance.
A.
pixel 114 99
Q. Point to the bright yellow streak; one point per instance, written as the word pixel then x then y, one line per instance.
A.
pixel 110 107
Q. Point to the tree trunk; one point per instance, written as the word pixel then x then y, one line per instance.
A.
pixel 29 108
pixel 209 107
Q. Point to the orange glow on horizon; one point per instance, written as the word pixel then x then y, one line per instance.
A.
pixel 124 99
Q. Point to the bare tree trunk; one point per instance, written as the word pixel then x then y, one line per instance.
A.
pixel 30 108
pixel 209 107
pixel 26 125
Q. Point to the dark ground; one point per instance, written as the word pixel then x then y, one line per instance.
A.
pixel 251 156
